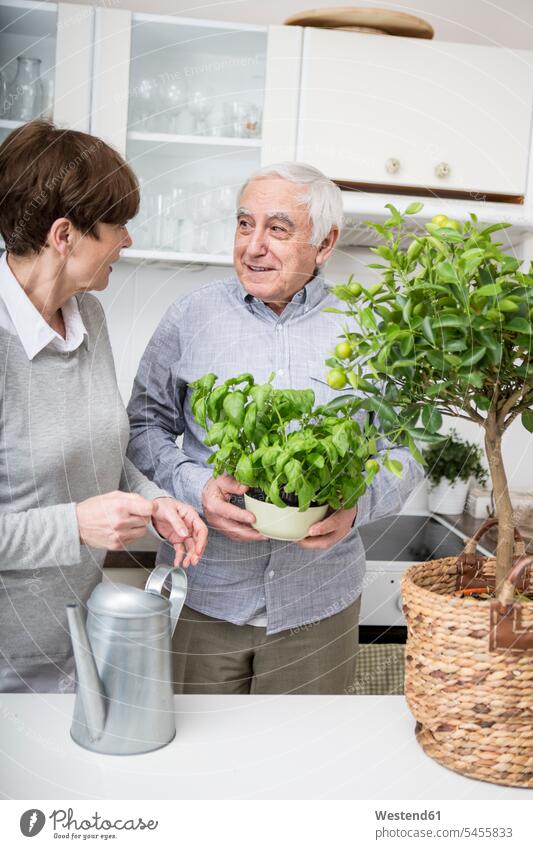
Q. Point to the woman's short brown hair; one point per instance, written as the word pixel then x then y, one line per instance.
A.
pixel 48 173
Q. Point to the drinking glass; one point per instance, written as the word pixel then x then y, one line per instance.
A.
pixel 200 104
pixel 172 97
pixel 26 90
pixel 202 217
pixel 145 101
pixel 226 197
pixel 4 106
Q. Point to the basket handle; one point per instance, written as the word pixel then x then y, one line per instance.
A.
pixel 506 628
pixel 486 526
pixel 470 563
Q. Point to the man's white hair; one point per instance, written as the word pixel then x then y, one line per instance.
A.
pixel 321 197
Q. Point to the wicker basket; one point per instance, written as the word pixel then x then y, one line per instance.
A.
pixel 469 666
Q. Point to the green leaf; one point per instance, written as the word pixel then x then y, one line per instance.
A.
pixel 215 434
pixel 293 471
pixel 413 208
pixel 244 472
pixel 519 325
pixel 527 420
pixel 214 402
pixel 233 406
pixel 447 272
pixel 427 330
pixel 473 358
pixel 423 436
pixel 431 419
pixel 261 394
pixel 393 466
pixel 482 402
pixel 489 290
pixel 250 418
pixel 385 411
pixel 340 439
pixel 451 321
pixel 206 382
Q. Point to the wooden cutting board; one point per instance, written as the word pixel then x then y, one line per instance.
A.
pixel 360 19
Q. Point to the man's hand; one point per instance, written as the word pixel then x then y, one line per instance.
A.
pixel 328 531
pixel 182 527
pixel 234 522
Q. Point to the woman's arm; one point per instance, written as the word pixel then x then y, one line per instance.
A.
pixel 40 537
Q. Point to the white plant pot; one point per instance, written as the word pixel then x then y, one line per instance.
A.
pixel 448 497
pixel 285 523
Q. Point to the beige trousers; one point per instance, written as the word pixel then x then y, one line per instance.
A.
pixel 215 656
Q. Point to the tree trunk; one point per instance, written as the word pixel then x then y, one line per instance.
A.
pixel 502 500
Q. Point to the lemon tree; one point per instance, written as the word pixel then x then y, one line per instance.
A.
pixel 447 330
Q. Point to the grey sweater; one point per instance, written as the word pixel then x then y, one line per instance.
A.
pixel 63 438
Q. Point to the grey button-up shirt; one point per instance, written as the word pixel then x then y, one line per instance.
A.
pixel 220 328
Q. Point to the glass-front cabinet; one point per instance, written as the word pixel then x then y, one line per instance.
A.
pixel 193 132
pixel 190 124
pixel 27 63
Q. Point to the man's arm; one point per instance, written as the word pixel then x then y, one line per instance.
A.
pixel 156 418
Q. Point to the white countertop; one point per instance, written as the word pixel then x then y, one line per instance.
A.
pixel 228 747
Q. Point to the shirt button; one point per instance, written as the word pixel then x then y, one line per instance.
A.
pixel 280 371
pixel 271 573
pixel 278 327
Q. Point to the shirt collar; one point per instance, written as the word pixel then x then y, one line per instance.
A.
pixel 29 325
pixel 312 293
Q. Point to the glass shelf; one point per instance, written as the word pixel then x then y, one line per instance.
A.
pixel 174 257
pixel 213 141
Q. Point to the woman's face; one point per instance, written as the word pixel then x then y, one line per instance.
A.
pixel 90 260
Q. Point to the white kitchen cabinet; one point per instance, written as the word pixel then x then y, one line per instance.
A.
pixel 182 99
pixel 428 115
pixel 59 36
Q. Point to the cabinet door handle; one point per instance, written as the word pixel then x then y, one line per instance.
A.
pixel 442 170
pixel 392 165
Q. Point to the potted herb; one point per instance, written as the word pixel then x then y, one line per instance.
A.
pixel 298 459
pixel 448 330
pixel 450 466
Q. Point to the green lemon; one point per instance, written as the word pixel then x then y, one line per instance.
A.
pixel 336 378
pixel 372 465
pixel 440 220
pixel 455 225
pixel 355 289
pixel 343 350
pixel 506 305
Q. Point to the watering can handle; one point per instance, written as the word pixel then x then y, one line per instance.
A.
pixel 178 591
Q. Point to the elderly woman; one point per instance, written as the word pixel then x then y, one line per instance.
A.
pixel 67 491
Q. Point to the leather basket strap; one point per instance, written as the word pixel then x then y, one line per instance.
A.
pixel 470 564
pixel 507 630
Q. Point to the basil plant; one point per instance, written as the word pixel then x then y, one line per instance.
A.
pixel 446 330
pixel 278 441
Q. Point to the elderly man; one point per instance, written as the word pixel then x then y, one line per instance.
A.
pixel 262 616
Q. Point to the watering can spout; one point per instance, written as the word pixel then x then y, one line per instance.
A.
pixel 90 687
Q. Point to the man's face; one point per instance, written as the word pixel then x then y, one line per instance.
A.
pixel 272 254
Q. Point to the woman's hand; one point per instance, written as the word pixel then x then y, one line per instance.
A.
pixel 113 520
pixel 181 525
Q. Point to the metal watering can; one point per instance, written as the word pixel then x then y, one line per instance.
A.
pixel 125 702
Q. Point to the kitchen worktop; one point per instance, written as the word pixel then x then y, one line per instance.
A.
pixel 229 747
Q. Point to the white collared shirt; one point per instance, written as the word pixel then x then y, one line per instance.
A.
pixel 19 316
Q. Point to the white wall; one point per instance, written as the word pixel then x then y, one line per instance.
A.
pixel 138 296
